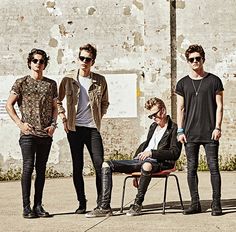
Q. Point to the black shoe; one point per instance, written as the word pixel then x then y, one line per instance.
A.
pixel 40 212
pixel 216 208
pixel 194 208
pixel 82 207
pixel 28 213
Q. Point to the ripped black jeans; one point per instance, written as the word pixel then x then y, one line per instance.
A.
pixel 192 153
pixel 126 166
pixel 35 151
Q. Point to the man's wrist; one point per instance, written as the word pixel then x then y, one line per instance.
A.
pixel 180 131
pixel 54 125
pixel 64 120
pixel 217 128
pixel 19 123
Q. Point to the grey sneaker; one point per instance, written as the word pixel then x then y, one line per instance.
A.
pixel 134 210
pixel 99 212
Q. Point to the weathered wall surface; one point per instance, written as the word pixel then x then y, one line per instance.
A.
pixel 132 36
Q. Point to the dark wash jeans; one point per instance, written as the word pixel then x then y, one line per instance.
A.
pixel 192 153
pixel 92 139
pixel 35 151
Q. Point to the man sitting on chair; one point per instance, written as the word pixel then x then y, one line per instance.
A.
pixel 158 152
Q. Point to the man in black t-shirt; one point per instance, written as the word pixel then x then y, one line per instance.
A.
pixel 199 118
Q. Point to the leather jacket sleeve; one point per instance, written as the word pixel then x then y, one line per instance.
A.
pixel 170 149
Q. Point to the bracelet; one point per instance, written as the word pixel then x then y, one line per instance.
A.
pixel 217 128
pixel 180 130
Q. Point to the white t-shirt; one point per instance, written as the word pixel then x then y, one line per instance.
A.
pixel 84 115
pixel 156 138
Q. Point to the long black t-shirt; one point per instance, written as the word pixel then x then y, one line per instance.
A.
pixel 199 106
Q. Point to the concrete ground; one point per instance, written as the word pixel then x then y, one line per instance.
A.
pixel 60 201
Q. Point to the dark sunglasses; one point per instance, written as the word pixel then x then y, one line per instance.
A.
pixel 154 115
pixel 35 61
pixel 85 59
pixel 197 58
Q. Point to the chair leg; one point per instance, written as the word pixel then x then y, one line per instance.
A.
pixel 180 196
pixel 164 200
pixel 123 194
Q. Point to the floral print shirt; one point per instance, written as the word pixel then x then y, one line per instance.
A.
pixel 35 102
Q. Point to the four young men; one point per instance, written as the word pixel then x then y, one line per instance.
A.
pixel 199 123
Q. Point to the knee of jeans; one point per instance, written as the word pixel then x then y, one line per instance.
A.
pixel 28 168
pixel 146 169
pixel 105 165
pixel 213 167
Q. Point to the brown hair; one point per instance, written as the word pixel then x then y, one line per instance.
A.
pixel 153 102
pixel 89 48
pixel 35 51
pixel 195 48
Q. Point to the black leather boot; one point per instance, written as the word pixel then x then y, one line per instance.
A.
pixel 216 209
pixel 40 211
pixel 106 187
pixel 195 207
pixel 82 207
pixel 143 185
pixel 28 213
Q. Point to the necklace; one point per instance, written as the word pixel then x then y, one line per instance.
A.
pixel 197 90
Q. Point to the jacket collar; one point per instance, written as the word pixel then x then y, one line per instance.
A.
pixel 74 74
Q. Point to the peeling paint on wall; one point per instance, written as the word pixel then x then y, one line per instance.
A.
pixel 138 39
pixel 53 42
pixel 52 9
pixel 126 10
pixel 180 4
pixel 138 4
pixel 62 30
pixel 91 10
pixel 59 56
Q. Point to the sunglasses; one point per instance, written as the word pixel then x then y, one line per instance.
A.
pixel 35 61
pixel 197 58
pixel 85 59
pixel 154 115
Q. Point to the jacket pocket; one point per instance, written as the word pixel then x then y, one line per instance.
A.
pixel 69 96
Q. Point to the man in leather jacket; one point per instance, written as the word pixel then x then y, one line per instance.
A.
pixel 158 152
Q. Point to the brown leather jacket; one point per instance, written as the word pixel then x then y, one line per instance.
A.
pixel 98 96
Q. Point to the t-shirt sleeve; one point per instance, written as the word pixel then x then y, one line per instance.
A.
pixel 179 88
pixel 16 88
pixel 54 90
pixel 218 85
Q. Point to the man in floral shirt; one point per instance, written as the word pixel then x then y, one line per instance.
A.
pixel 36 97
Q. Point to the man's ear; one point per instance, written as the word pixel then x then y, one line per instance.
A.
pixel 163 110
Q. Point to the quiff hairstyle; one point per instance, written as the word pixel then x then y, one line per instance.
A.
pixel 195 48
pixel 89 48
pixel 155 102
pixel 35 51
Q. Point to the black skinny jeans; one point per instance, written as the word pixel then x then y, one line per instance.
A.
pixel 192 153
pixel 35 151
pixel 93 141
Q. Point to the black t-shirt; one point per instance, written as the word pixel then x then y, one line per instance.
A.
pixel 199 106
